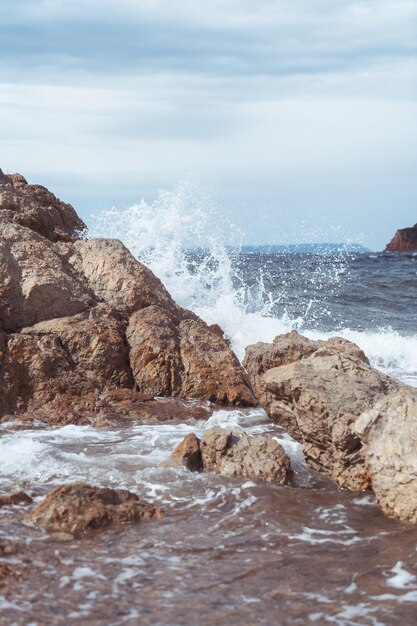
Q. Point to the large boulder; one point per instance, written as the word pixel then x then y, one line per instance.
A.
pixel 234 454
pixel 77 508
pixel 404 240
pixel 316 390
pixel 79 318
pixel 36 282
pixel 388 432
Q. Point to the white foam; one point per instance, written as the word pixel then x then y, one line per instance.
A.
pixel 401 579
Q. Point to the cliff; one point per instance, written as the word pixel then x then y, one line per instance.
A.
pixel 404 240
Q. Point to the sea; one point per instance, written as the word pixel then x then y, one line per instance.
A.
pixel 227 551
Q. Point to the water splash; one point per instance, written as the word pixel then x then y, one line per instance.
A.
pixel 209 281
pixel 258 305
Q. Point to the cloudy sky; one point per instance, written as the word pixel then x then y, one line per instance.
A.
pixel 298 118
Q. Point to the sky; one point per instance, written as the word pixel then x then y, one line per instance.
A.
pixel 298 119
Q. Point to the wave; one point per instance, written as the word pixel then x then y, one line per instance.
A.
pixel 213 284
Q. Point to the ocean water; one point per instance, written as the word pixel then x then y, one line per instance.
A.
pixel 226 551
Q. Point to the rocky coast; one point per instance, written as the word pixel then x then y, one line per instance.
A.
pixel 404 240
pixel 91 338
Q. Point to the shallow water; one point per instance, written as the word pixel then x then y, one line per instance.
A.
pixel 226 551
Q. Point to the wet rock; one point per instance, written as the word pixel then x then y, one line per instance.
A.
pixel 188 453
pixel 18 497
pixel 77 508
pixel 234 454
pixel 388 432
pixel 79 318
pixel 36 208
pixel 185 359
pixel 316 390
pixel 404 240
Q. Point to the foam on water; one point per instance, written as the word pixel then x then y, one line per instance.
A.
pixel 160 233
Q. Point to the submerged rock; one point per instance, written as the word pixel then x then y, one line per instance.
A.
pixel 389 435
pixel 18 497
pixel 233 453
pixel 81 317
pixel 404 240
pixel 316 390
pixel 77 508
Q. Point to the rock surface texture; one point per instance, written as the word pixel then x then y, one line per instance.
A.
pixel 389 435
pixel 316 390
pixel 404 240
pixel 234 453
pixel 80 319
pixel 77 508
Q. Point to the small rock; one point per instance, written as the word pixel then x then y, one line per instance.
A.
pixel 237 454
pixel 188 453
pixel 77 508
pixel 233 453
pixel 19 497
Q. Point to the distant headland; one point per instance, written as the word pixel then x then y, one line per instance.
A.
pixel 404 240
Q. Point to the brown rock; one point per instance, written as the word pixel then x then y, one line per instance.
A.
pixel 37 208
pixel 184 360
pixel 78 318
pixel 188 453
pixel 77 508
pixel 234 454
pixel 18 497
pixel 389 435
pixel 318 398
pixel 404 240
pixel 73 355
pixel 237 454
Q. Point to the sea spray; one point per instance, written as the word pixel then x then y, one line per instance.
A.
pixel 190 246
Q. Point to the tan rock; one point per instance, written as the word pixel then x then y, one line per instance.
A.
pixel 318 398
pixel 257 457
pixel 389 435
pixel 36 283
pixel 77 508
pixel 119 279
pixel 234 454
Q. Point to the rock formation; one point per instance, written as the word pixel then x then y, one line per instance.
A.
pixel 80 319
pixel 77 508
pixel 404 240
pixel 18 497
pixel 316 390
pixel 234 453
pixel 389 435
